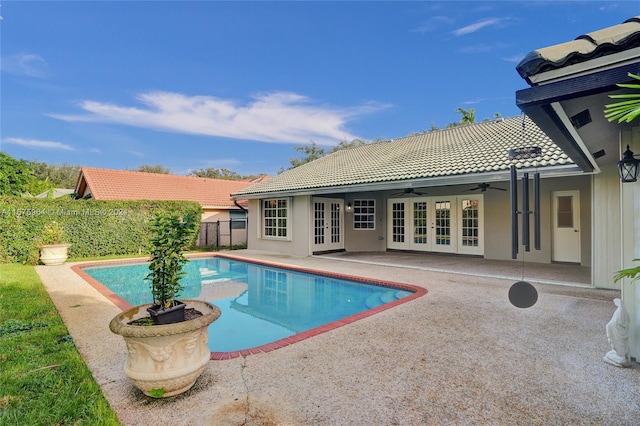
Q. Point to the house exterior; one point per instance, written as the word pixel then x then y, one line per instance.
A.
pixel 425 192
pixel 569 88
pixel 212 194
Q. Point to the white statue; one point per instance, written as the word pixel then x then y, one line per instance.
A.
pixel 618 335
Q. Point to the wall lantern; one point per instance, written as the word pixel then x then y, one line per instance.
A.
pixel 628 167
pixel 348 207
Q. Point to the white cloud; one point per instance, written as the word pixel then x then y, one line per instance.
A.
pixel 477 26
pixel 270 117
pixel 25 64
pixel 514 58
pixel 34 143
pixel 432 24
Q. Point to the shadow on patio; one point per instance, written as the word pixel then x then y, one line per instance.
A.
pixel 543 273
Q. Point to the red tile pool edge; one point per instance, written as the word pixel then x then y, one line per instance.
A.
pixel 220 356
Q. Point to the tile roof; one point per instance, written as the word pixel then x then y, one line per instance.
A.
pixel 483 147
pixel 106 184
pixel 593 45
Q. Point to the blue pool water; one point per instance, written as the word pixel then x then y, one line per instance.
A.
pixel 259 304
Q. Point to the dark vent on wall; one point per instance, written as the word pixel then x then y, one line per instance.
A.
pixel 581 119
pixel 599 154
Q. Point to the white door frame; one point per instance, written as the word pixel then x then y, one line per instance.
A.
pixel 327 224
pixel 413 224
pixel 566 228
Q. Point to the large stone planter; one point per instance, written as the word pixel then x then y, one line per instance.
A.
pixel 166 360
pixel 54 254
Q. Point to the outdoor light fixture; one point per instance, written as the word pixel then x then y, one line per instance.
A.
pixel 348 207
pixel 628 167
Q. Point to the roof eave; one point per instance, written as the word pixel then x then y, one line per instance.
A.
pixel 500 175
pixel 540 103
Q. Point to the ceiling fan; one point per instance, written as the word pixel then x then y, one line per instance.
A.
pixel 408 191
pixel 483 187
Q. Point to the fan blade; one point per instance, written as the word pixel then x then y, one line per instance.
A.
pixel 497 189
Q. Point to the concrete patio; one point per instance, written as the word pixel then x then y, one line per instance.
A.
pixel 462 354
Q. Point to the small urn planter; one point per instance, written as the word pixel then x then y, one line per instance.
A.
pixel 166 360
pixel 53 254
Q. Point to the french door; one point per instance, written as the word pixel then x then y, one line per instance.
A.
pixel 327 220
pixel 450 224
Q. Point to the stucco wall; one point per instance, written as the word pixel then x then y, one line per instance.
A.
pixel 366 239
pixel 297 243
pixel 498 220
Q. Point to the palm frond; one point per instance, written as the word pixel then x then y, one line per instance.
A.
pixel 627 110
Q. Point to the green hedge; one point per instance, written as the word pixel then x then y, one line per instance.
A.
pixel 92 227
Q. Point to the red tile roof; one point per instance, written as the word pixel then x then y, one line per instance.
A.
pixel 105 184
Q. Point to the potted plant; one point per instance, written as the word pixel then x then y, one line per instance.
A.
pixel 167 355
pixel 170 235
pixel 53 249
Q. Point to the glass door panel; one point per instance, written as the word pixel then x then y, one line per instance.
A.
pixel 335 223
pixel 420 225
pixel 318 222
pixel 397 224
pixel 471 240
pixel 442 223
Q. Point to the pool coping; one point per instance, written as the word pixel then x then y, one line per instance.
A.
pixel 277 344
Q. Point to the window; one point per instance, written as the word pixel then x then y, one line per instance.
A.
pixel 238 219
pixel 275 218
pixel 364 214
pixel 565 212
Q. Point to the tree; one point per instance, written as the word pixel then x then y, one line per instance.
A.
pixel 468 116
pixel 14 175
pixel 60 175
pixel 147 168
pixel 17 177
pixel 214 173
pixel 311 152
pixel 346 145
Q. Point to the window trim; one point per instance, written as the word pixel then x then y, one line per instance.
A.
pixel 288 218
pixel 356 213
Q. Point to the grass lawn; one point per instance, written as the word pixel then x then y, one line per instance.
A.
pixel 43 379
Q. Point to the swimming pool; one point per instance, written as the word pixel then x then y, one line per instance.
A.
pixel 263 306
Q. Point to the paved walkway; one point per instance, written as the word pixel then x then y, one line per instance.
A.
pixel 462 354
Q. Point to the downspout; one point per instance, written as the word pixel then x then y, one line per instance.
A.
pixel 246 221
pixel 239 206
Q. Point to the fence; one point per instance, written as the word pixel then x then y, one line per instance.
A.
pixel 223 233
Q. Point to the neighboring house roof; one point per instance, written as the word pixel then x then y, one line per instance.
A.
pixel 584 48
pixel 105 184
pixel 57 192
pixel 438 157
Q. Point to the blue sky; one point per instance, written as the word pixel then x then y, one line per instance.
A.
pixel 236 85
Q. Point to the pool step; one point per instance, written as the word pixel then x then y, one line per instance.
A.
pixel 381 297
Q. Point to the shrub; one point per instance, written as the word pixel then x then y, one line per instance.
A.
pixel 92 227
